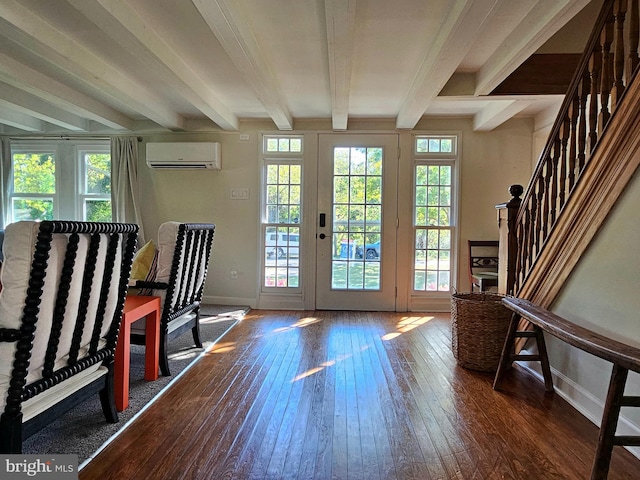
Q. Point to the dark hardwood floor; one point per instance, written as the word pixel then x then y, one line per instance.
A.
pixel 351 395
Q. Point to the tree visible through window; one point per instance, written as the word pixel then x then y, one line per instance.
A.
pixel 34 186
pixel 97 187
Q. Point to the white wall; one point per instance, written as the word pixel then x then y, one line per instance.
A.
pixel 602 294
pixel 205 196
pixel 491 162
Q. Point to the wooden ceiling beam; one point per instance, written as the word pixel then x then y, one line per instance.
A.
pixel 130 30
pixel 61 95
pixel 232 29
pixel 28 29
pixel 340 20
pixel 29 104
pixel 460 28
pixel 20 120
pixel 497 113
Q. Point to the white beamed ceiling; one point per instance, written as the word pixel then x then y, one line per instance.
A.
pixel 116 66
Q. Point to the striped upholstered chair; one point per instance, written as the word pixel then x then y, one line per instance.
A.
pixel 182 263
pixel 63 290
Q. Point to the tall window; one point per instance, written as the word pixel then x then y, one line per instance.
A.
pixel 60 180
pixel 434 208
pixel 282 211
pixel 95 186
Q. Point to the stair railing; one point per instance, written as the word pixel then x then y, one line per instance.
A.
pixel 607 66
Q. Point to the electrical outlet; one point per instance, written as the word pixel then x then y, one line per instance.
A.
pixel 233 273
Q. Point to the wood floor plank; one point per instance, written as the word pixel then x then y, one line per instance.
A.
pixel 314 431
pixel 376 452
pixel 409 461
pixel 351 395
pixel 237 411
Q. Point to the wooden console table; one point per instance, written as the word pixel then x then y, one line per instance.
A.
pixel 135 308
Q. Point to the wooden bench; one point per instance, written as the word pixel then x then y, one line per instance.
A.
pixel 624 358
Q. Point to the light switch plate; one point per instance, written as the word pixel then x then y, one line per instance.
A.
pixel 239 194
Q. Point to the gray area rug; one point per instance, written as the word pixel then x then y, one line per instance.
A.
pixel 84 430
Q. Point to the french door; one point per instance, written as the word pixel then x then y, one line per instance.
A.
pixel 357 222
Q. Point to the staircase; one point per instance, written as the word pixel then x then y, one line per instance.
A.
pixel 591 154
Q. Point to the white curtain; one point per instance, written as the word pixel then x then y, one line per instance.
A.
pixel 5 169
pixel 125 195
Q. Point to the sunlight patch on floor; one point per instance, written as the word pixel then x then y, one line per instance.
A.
pixel 303 322
pixel 323 365
pixel 308 373
pixel 406 325
pixel 222 347
pixel 185 355
pixel 222 317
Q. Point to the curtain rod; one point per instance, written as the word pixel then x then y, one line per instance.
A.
pixel 68 137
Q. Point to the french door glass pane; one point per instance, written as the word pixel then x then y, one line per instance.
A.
pixel 357 218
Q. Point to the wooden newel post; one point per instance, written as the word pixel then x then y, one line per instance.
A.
pixel 507 213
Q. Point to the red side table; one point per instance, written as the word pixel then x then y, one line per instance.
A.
pixel 135 308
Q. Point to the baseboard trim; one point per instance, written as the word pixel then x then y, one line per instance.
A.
pixel 214 300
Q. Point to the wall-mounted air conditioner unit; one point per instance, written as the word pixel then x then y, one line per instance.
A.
pixel 185 155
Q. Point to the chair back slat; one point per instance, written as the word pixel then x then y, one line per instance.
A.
pixel 60 307
pixel 105 286
pixel 83 305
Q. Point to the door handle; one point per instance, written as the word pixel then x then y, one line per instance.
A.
pixel 323 220
pixel 322 236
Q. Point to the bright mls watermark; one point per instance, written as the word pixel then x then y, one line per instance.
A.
pixel 50 467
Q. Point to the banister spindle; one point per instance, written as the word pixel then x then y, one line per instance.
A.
pixel 524 237
pixel 633 16
pixel 519 254
pixel 583 94
pixel 539 219
pixel 594 72
pixel 528 233
pixel 574 113
pixel 606 39
pixel 565 134
pixel 619 13
pixel 552 186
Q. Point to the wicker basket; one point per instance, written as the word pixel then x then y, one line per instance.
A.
pixel 479 325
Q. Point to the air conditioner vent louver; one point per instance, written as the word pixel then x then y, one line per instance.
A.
pixel 184 155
